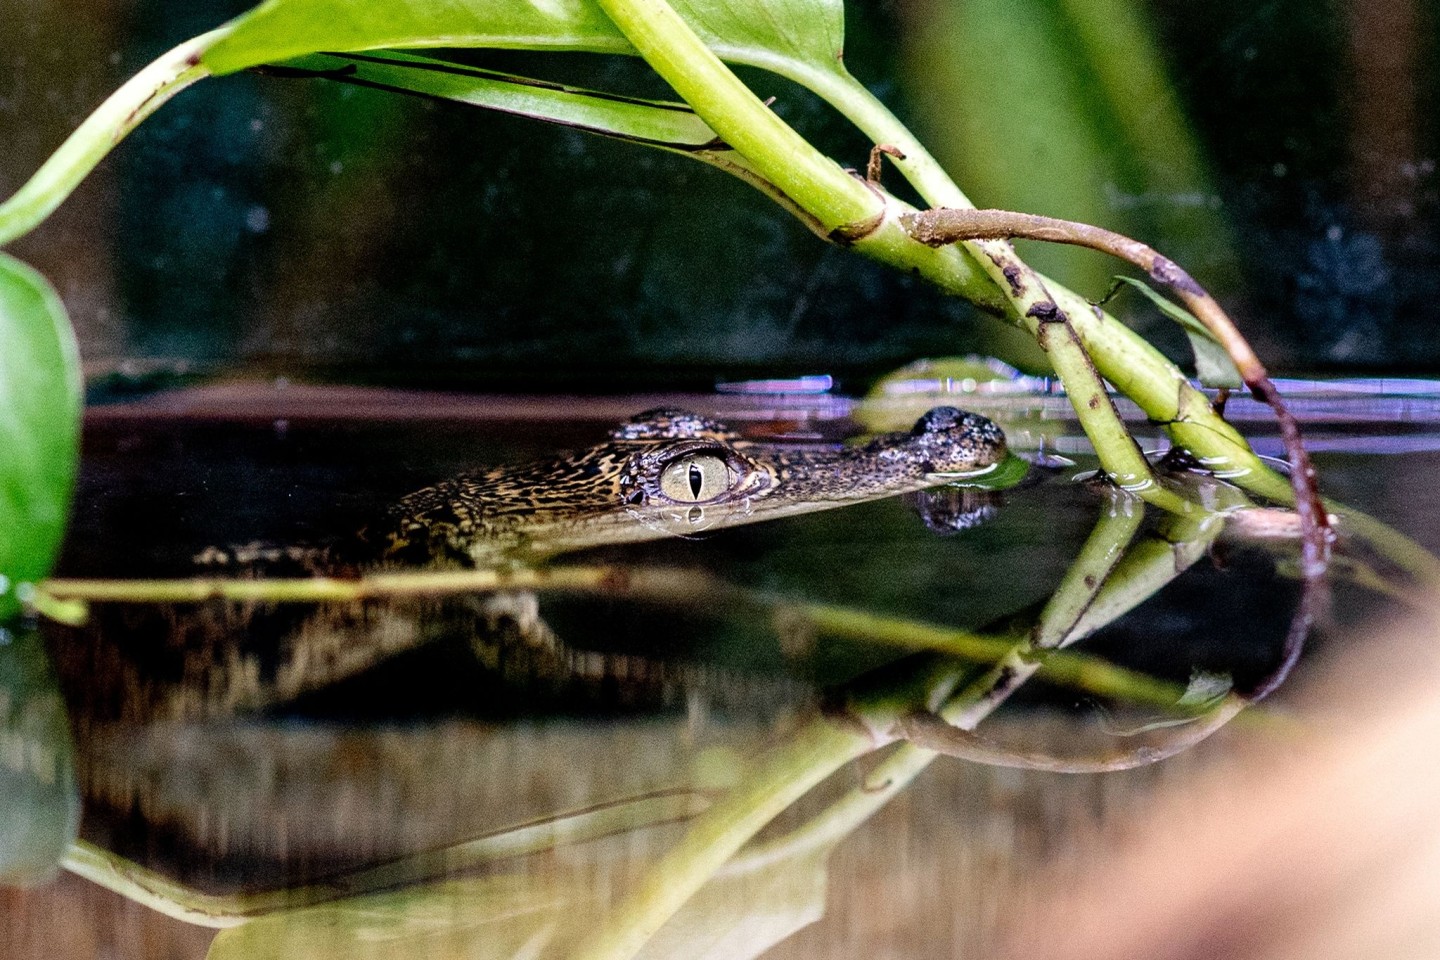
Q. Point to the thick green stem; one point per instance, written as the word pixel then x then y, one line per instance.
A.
pixel 1091 674
pixel 1121 356
pixel 781 155
pixel 836 822
pixel 1119 521
pixel 1120 456
pixel 122 112
pixel 787 774
pixel 862 108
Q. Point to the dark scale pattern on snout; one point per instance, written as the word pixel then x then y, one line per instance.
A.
pixel 955 441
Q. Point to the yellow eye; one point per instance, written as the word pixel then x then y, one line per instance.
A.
pixel 696 478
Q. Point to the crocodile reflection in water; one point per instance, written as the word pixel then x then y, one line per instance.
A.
pixel 662 473
pixel 670 472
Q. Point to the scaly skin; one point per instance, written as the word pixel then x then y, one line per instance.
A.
pixel 616 492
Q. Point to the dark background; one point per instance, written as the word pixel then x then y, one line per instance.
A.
pixel 302 228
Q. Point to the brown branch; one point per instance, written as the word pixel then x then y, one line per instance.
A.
pixel 948 225
pixel 874 167
pixel 931 732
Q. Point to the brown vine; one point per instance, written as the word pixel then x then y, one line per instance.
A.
pixel 945 225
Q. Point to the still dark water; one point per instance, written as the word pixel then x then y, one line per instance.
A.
pixel 578 787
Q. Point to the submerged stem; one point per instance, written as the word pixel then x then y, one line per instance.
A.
pixel 783 777
pixel 781 155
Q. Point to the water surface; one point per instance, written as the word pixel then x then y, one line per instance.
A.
pixel 429 744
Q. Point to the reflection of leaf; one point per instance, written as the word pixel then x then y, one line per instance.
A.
pixel 737 915
pixel 1213 365
pixel 481 918
pixel 648 121
pixel 757 32
pixel 39 426
pixel 40 804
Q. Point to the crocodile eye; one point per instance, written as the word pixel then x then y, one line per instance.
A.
pixel 696 477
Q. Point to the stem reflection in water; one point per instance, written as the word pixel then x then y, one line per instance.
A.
pixel 926 704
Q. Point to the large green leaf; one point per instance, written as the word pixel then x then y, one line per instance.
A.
pixel 776 34
pixel 39 426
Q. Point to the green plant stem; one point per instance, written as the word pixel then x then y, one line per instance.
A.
pixel 121 112
pixel 948 225
pixel 882 783
pixel 1120 355
pixel 1107 544
pixel 1120 455
pixel 1091 674
pixel 812 754
pixel 661 584
pixel 1148 565
pixel 781 155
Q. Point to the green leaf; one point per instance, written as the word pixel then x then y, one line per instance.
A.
pixel 539 912
pixel 1213 365
pixel 37 768
pixel 478 918
pixel 737 916
pixel 774 34
pixel 39 426
pixel 662 123
pixel 282 29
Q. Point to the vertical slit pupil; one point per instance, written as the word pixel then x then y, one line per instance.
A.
pixel 697 481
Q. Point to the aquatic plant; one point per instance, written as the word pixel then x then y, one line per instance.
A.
pixel 721 123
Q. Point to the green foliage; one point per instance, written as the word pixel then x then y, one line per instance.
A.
pixel 733 916
pixel 800 39
pixel 40 397
pixel 1092 128
pixel 661 123
pixel 765 33
pixel 1213 365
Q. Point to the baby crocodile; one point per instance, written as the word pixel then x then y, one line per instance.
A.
pixel 662 473
pixel 669 473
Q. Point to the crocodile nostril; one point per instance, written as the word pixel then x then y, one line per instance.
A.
pixel 939 419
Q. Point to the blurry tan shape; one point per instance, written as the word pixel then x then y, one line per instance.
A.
pixel 1322 846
